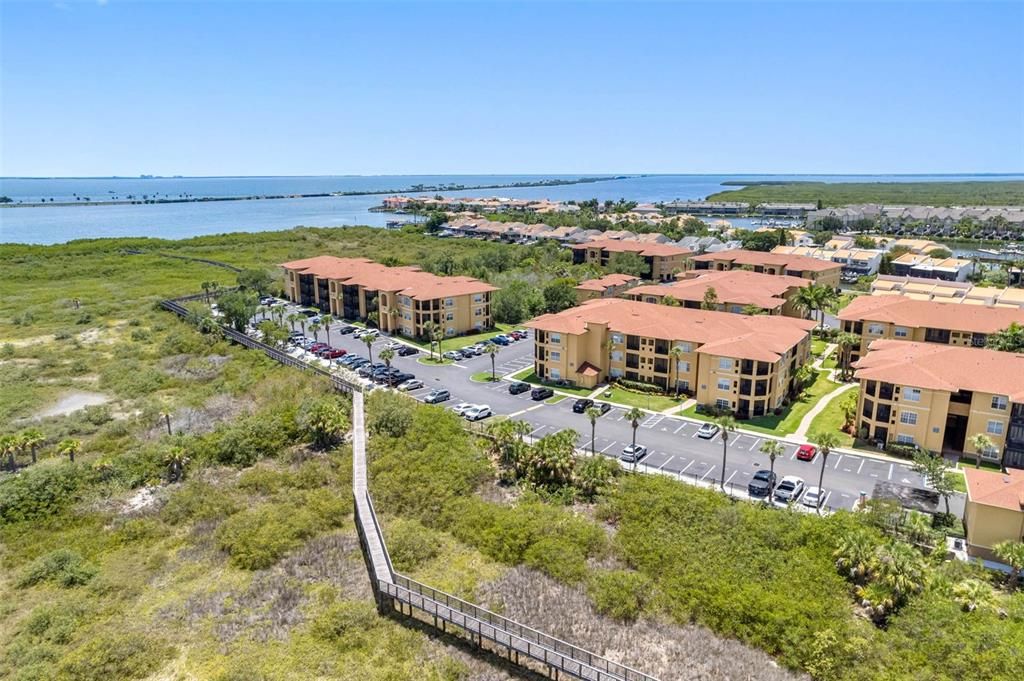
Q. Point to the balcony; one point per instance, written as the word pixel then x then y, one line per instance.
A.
pixel 936 336
pixel 632 342
pixel 883 413
pixel 885 391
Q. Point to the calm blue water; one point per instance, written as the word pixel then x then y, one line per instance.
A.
pixel 56 224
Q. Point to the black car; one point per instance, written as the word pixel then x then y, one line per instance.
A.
pixel 345 330
pixel 761 484
pixel 407 350
pixel 518 387
pixel 541 393
pixel 402 377
pixel 581 405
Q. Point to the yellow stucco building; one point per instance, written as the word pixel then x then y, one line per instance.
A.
pixel 735 290
pixel 738 362
pixel 663 261
pixel 404 299
pixel 940 396
pixel 821 272
pixel 994 511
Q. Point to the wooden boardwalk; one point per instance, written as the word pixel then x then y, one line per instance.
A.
pixel 394 592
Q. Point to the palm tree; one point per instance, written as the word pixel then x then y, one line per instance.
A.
pixel 8 447
pixel 314 328
pixel 826 441
pixel 278 312
pixel 176 460
pixel 774 449
pixel 369 346
pixel 1011 553
pixel 428 333
pixel 165 415
pixel 673 355
pixel 593 414
pixel 854 554
pixel 294 317
pixel 69 448
pixel 32 438
pixel 847 342
pixel 974 594
pixel 436 336
pixel 207 287
pixel 980 443
pixel 634 416
pixel 327 320
pixel 900 567
pixel 492 352
pixel 373 319
pixel 726 425
pixel 386 355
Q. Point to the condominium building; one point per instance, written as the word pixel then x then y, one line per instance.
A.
pixel 735 291
pixel 821 272
pixel 403 299
pixel 927 267
pixel 855 262
pixel 608 286
pixel 738 362
pixel 940 396
pixel 903 318
pixel 994 511
pixel 964 293
pixel 663 261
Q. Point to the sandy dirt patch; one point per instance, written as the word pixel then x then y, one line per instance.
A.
pixel 72 401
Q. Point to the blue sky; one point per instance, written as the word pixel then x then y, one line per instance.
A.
pixel 225 88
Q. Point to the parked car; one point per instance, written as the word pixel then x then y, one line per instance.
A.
pixel 394 345
pixel 603 407
pixel 814 497
pixel 437 395
pixel 347 329
pixel 789 489
pixel 469 351
pixel 310 313
pixel 348 359
pixel 582 404
pixel 541 393
pixel 501 340
pixel 407 350
pixel 462 407
pixel 477 412
pixel 454 355
pixel 368 333
pixel 762 483
pixel 633 453
pixel 358 363
pixel 410 384
pixel 335 353
pixel 267 300
pixel 518 387
pixel 402 377
pixel 707 431
pixel 521 333
pixel 806 452
pixel 480 348
pixel 367 369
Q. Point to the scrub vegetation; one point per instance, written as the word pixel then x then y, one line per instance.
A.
pixel 974 193
pixel 199 524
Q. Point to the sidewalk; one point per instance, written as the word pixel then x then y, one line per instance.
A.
pixel 805 422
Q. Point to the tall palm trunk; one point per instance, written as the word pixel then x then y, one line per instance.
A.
pixel 725 452
pixel 821 477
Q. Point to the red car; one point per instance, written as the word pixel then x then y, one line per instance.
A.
pixel 334 353
pixel 806 452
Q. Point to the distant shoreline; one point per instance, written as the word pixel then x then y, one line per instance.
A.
pixel 414 189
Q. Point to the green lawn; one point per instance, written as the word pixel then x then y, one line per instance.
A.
pixel 958 480
pixel 433 362
pixel 456 342
pixel 556 399
pixel 968 462
pixel 642 400
pixel 786 422
pixel 818 346
pixel 483 377
pixel 831 420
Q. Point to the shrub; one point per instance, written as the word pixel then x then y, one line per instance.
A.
pixel 250 439
pixel 389 413
pixel 39 492
pixel 638 386
pixel 114 656
pixel 411 544
pixel 621 594
pixel 197 501
pixel 63 567
pixel 345 618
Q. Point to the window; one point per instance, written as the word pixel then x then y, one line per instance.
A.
pixel 991 453
pixel 876 329
pixel 912 394
pixel 617 338
pixel 908 417
pixel 450 331
pixel 724 384
pixel 407 316
pixel 905 439
pixel 478 298
pixel 685 347
pixel 617 355
pixel 684 385
pixel 449 302
pixel 995 427
pixel 723 404
pixel 404 300
pixel 555 338
pixel 900 332
pixel 555 356
pixel 555 374
pixel 450 316
pixel 683 367
pixel 617 373
pixel 725 363
pixel 999 402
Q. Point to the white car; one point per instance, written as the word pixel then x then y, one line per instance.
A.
pixel 477 412
pixel 411 384
pixel 394 345
pixel 462 407
pixel 814 497
pixel 789 490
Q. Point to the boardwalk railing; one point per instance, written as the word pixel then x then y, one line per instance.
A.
pixel 394 591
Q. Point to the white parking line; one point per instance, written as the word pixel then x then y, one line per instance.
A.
pixel 683 470
pixel 537 430
pixel 608 447
pixel 890 471
pixel 708 473
pixel 666 462
pixel 674 432
pixel 860 466
pixel 837 461
pixel 824 499
pixel 730 477
pixel 756 442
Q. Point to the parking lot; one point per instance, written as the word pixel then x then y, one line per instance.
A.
pixel 673 446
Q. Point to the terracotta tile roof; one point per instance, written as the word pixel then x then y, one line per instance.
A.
pixel 606 282
pixel 733 287
pixel 934 366
pixel 758 337
pixel 907 311
pixel 740 257
pixel 408 280
pixel 588 369
pixel 1003 490
pixel 614 246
